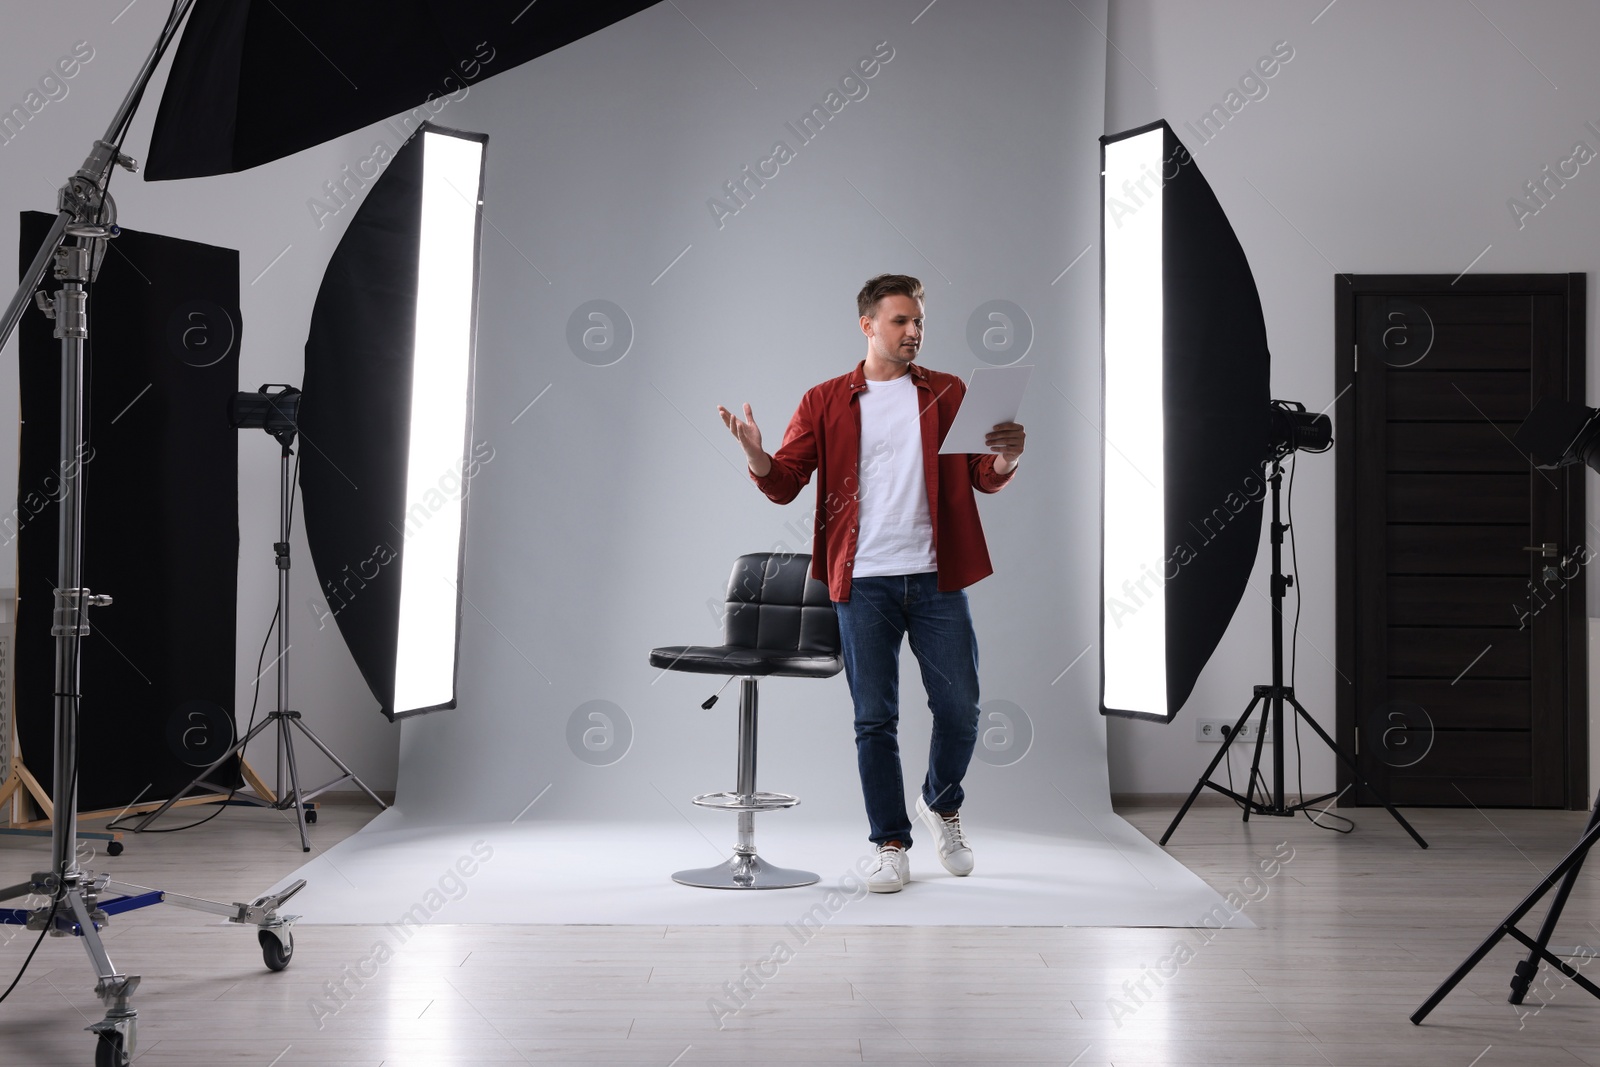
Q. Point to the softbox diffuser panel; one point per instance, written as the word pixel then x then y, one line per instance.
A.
pixel 252 82
pixel 386 416
pixel 161 529
pixel 1186 410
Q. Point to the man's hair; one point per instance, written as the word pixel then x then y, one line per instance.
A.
pixel 886 285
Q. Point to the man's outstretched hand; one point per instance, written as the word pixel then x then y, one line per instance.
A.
pixel 748 434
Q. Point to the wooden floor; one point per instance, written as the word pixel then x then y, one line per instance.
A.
pixel 1354 933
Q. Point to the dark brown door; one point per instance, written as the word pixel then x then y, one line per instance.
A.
pixel 1462 627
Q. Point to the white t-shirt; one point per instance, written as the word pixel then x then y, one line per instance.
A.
pixel 896 533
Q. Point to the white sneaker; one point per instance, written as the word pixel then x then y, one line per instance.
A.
pixel 952 843
pixel 892 871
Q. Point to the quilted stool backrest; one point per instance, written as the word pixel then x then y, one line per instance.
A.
pixel 775 604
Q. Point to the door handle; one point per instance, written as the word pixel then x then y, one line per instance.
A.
pixel 1547 549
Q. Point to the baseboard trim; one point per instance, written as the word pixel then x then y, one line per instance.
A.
pixel 1206 799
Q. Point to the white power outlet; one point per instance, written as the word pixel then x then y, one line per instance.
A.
pixel 1215 731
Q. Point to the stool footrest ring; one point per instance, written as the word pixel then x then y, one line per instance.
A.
pixel 735 801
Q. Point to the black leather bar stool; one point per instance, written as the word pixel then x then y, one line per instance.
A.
pixel 779 621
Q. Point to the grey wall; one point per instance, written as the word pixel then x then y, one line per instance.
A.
pixel 1390 143
pixel 614 507
pixel 615 504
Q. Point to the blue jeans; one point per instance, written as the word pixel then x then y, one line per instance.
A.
pixel 880 612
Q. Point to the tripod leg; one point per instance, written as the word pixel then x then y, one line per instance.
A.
pixel 1356 771
pixel 1568 863
pixel 286 746
pixel 1255 762
pixel 237 750
pixel 1206 777
pixel 1530 966
pixel 339 763
pixel 118 1029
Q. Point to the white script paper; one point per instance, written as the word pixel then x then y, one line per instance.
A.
pixel 994 395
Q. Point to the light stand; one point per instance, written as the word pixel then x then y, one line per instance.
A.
pixel 276 413
pixel 1557 433
pixel 1272 699
pixel 77 902
pixel 1565 873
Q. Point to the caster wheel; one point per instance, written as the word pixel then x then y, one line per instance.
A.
pixel 311 815
pixel 276 953
pixel 114 848
pixel 108 1051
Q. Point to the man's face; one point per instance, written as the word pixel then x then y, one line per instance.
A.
pixel 894 330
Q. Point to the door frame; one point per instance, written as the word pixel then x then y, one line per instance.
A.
pixel 1346 288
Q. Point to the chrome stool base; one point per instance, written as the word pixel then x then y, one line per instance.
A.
pixel 746 871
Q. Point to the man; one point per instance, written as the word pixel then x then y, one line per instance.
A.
pixel 896 539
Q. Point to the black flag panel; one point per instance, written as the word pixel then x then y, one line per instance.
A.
pixel 159 473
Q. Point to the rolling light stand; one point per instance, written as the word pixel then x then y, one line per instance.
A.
pixel 1272 699
pixel 276 413
pixel 78 903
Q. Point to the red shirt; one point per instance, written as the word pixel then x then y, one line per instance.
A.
pixel 825 435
